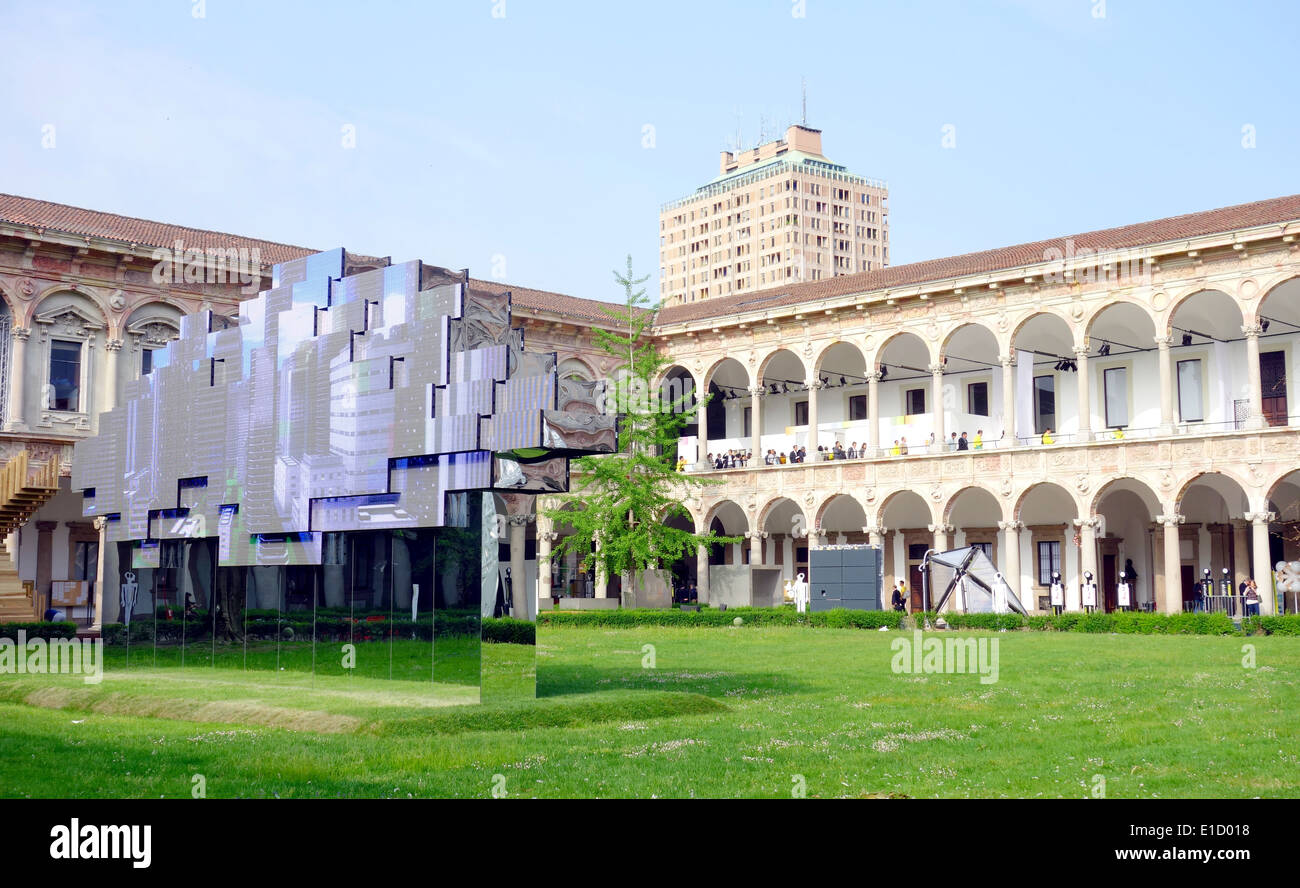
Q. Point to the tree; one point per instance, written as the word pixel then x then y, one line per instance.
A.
pixel 631 494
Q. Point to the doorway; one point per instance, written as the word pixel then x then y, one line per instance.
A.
pixel 1272 379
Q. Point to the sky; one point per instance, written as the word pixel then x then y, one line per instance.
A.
pixel 534 142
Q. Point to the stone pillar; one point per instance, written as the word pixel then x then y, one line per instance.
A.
pixel 940 532
pixel 702 430
pixel 1009 397
pixel 544 540
pixel 600 581
pixel 17 419
pixel 1011 558
pixel 702 573
pixel 875 534
pixel 518 588
pixel 1170 598
pixel 1166 363
pixel 1088 554
pixel 113 349
pixel 755 547
pixel 1263 572
pixel 936 407
pixel 1256 418
pixel 1240 553
pixel 1085 407
pixel 814 386
pixel 756 425
pixel 44 555
pixel 873 414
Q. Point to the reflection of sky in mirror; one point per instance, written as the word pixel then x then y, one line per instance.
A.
pixel 252 323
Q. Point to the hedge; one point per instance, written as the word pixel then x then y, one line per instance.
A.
pixel 1288 624
pixel 750 616
pixel 66 629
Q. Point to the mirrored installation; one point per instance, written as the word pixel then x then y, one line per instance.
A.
pixel 319 487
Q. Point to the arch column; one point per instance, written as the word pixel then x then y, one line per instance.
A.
pixel 1263 564
pixel 936 407
pixel 756 424
pixel 702 429
pixel 702 574
pixel 1085 384
pixel 1166 385
pixel 875 534
pixel 17 419
pixel 518 592
pixel 940 532
pixel 544 540
pixel 755 546
pixel 1088 550
pixel 1011 555
pixel 1008 363
pixel 873 414
pixel 814 386
pixel 1169 600
pixel 600 582
pixel 1256 418
pixel 113 349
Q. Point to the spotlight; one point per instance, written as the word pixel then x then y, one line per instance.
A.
pixel 1104 350
pixel 785 389
pixel 1264 326
pixel 842 382
pixel 826 380
pixel 1187 339
pixel 884 372
pixel 774 388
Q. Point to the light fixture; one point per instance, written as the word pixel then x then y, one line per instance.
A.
pixel 1104 350
pixel 785 388
pixel 1187 339
pixel 842 382
pixel 1264 326
pixel 884 372
pixel 774 388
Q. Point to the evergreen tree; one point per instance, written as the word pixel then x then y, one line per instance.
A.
pixel 630 495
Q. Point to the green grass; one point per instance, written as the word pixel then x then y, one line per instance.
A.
pixel 725 712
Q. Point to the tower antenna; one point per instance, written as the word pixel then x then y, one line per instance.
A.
pixel 804 86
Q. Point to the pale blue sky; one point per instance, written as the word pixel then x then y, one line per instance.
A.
pixel 522 136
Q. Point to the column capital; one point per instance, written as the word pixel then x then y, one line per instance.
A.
pixel 1170 521
pixel 1081 352
pixel 46 526
pixel 1260 517
pixel 1006 360
pixel 113 345
pixel 519 520
pixel 1013 526
pixel 937 368
pixel 814 385
pixel 1163 342
pixel 876 528
pixel 758 391
pixel 940 528
pixel 873 378
pixel 21 334
pixel 1252 331
pixel 549 536
pixel 1094 521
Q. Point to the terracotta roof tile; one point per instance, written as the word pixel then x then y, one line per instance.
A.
pixel 1264 212
pixel 569 307
pixel 93 223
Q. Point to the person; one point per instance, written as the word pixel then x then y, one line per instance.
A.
pixel 853 450
pixel 822 455
pixel 978 443
pixel 681 464
pixel 963 443
pixel 896 599
pixel 1123 592
pixel 1047 437
pixel 1251 598
pixel 1089 592
pixel 903 446
pixel 952 442
pixel 1057 593
pixel 1119 433
pixel 895 450
pixel 839 450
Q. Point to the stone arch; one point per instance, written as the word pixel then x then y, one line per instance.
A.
pixel 1177 304
pixel 770 358
pixel 717 366
pixel 60 296
pixel 573 364
pixel 904 497
pixel 1224 488
pixel 1257 314
pixel 773 506
pixel 946 340
pixel 900 336
pixel 727 511
pixel 1090 320
pixel 839 499
pixel 1022 499
pixel 951 503
pixel 1142 489
pixel 819 361
pixel 1018 328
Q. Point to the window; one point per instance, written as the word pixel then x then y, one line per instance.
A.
pixel 977 399
pixel 146 362
pixel 1044 403
pixel 1115 385
pixel 747 415
pixel 1049 561
pixel 986 548
pixel 85 560
pixel 1190 403
pixel 914 401
pixel 800 413
pixel 857 407
pixel 65 375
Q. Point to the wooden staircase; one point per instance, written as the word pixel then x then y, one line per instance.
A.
pixel 24 488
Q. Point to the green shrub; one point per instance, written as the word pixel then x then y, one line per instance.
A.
pixel 65 629
pixel 508 630
pixel 1287 624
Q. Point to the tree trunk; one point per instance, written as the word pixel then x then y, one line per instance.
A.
pixel 228 600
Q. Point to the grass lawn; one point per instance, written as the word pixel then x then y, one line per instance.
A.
pixel 724 712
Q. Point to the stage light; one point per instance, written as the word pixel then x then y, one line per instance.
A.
pixel 1187 339
pixel 1264 326
pixel 842 382
pixel 1104 350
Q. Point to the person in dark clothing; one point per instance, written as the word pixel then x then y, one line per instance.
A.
pixel 963 443
pixel 896 599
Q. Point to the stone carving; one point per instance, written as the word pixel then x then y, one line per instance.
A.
pixel 117 300
pixel 27 289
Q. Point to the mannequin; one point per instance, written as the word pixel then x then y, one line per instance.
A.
pixel 800 590
pixel 1123 592
pixel 1089 592
pixel 1058 593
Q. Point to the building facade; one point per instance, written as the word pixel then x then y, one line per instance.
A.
pixel 779 214
pixel 1126 397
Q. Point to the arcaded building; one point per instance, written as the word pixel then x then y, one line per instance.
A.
pixel 775 215
pixel 1124 396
